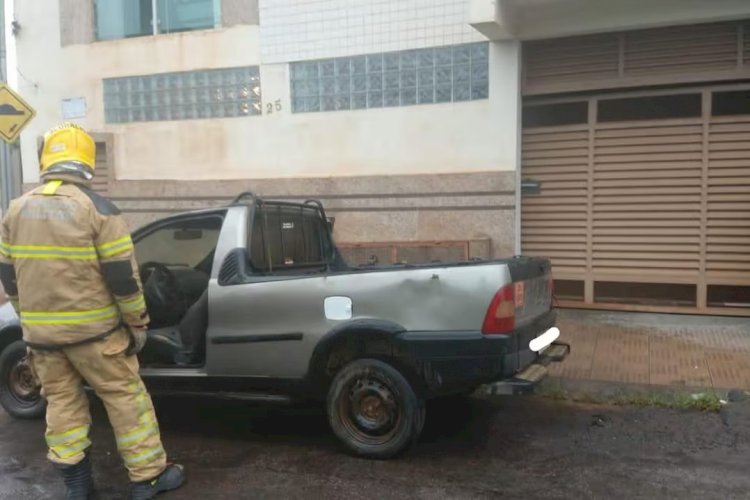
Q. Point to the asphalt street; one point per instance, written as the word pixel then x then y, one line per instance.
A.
pixel 505 447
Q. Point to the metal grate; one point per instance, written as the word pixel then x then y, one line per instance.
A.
pixel 100 184
pixel 703 47
pixel 658 56
pixel 587 58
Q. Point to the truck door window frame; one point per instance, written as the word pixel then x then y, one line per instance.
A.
pixel 148 230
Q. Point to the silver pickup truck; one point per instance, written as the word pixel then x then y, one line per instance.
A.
pixel 253 301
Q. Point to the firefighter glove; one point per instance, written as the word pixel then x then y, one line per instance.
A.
pixel 137 340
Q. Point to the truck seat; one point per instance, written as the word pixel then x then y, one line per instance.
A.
pixel 193 329
pixel 184 345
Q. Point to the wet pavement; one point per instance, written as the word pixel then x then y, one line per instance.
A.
pixel 515 447
pixel 656 349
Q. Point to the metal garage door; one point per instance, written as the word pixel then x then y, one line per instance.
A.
pixel 644 199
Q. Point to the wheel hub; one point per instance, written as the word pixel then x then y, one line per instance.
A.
pixel 373 407
pixel 22 382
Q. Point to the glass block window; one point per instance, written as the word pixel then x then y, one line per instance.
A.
pixel 216 93
pixel 423 76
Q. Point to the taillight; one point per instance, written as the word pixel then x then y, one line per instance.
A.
pixel 501 315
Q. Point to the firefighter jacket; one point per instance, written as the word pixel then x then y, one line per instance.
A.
pixel 68 266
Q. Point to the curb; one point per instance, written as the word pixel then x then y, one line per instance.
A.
pixel 580 388
pixel 599 390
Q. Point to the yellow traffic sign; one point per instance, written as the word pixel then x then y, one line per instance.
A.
pixel 15 114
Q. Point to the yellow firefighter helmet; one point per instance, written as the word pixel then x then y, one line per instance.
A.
pixel 67 145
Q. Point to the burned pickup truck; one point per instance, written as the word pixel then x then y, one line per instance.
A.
pixel 253 301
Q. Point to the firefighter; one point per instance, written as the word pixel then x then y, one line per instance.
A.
pixel 68 266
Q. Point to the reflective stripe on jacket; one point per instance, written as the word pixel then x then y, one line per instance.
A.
pixel 67 264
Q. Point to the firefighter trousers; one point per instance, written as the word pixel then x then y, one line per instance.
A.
pixel 114 377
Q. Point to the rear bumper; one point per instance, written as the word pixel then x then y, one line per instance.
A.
pixel 456 362
pixel 525 381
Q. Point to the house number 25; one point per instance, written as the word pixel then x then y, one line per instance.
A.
pixel 271 106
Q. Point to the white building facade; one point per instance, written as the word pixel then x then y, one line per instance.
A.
pixel 405 118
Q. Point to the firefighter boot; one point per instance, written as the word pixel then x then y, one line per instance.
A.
pixel 77 479
pixel 172 478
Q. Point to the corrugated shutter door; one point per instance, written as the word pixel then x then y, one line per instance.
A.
pixel 728 227
pixel 619 202
pixel 555 225
pixel 644 214
pixel 647 193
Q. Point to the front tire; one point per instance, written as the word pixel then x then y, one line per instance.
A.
pixel 374 410
pixel 20 395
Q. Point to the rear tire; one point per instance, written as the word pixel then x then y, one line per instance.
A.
pixel 374 410
pixel 19 394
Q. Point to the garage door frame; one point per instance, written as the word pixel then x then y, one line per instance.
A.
pixel 701 277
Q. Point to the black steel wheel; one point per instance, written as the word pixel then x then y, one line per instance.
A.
pixel 20 394
pixel 374 410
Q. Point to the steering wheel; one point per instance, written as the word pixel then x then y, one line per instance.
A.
pixel 167 302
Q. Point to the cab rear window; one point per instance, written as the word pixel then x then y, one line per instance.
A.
pixel 288 237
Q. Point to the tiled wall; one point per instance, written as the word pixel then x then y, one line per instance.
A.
pixel 297 30
pixel 410 208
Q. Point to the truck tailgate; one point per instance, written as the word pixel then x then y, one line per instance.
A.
pixel 532 282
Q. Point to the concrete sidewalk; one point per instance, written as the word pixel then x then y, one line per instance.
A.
pixel 657 349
